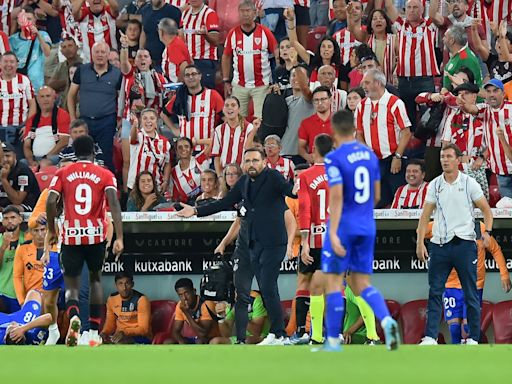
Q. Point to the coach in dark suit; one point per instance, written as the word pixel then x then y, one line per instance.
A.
pixel 262 191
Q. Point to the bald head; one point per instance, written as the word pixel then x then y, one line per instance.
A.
pixel 326 75
pixel 99 53
pixel 414 10
pixel 46 97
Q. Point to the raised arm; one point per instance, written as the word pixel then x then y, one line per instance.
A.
pixel 289 15
pixel 354 27
pixel 391 10
pixel 433 13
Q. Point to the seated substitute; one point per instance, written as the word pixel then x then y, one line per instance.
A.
pixel 198 314
pixel 128 314
pixel 257 327
pixel 25 327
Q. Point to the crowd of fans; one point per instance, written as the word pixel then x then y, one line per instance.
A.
pixel 173 92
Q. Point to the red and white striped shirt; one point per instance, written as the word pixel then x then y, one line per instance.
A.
pixel 251 64
pixel 284 166
pixel 14 97
pixel 6 7
pixel 70 27
pixel 186 184
pixel 416 55
pixel 197 44
pixel 4 43
pixel 338 99
pixel 173 56
pixel 388 64
pixel 97 28
pixel 82 187
pixel 449 112
pixel 229 143
pixel 347 43
pixel 467 132
pixel 313 196
pixel 407 197
pixel 204 109
pixel 134 80
pixel 303 3
pixel 499 10
pixel 494 118
pixel 148 154
pixel 381 122
pixel 177 3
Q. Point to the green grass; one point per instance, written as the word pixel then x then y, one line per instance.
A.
pixel 484 364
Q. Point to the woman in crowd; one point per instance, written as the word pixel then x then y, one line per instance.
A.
pixel 144 196
pixel 230 176
pixel 210 187
pixel 354 97
pixel 231 138
pixel 287 60
pixel 186 174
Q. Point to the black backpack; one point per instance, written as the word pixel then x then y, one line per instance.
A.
pixel 430 122
pixel 217 282
pixel 274 116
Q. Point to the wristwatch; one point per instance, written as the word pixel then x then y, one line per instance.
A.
pixel 489 232
pixel 397 156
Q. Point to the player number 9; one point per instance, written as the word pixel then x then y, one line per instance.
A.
pixel 83 196
pixel 362 184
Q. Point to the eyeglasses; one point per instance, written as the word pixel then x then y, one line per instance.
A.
pixel 194 74
pixel 322 100
pixel 231 174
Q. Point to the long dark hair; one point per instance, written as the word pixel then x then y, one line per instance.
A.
pixel 281 61
pixel 370 18
pixel 136 194
pixel 317 62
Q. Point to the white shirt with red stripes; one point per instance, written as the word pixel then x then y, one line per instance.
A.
pixel 338 99
pixel 446 121
pixel 229 143
pixel 313 197
pixel 4 43
pixel 284 166
pixel 347 43
pixel 148 154
pixel 303 3
pixel 97 28
pixel 416 55
pixel 6 8
pixel 204 110
pixel 186 183
pixel 70 27
pixel 177 3
pixel 14 97
pixel 380 123
pixel 135 79
pixel 251 64
pixel 408 197
pixel 197 44
pixel 494 118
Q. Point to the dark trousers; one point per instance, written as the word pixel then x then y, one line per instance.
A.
pixel 432 163
pixel 208 69
pixel 461 255
pixel 266 263
pixel 102 130
pixel 243 276
pixel 389 182
pixel 409 88
pixel 83 298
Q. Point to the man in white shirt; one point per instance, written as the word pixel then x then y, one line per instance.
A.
pixel 451 197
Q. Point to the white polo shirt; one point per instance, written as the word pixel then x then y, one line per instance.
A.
pixel 454 212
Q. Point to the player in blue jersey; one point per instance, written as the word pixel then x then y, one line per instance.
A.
pixel 26 326
pixel 354 188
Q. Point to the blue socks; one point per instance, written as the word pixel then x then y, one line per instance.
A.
pixel 456 332
pixel 335 314
pixel 376 301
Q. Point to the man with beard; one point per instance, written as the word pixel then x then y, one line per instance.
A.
pixel 9 240
pixel 262 190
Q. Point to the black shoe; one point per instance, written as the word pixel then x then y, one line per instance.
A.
pixel 314 342
pixel 372 342
pixel 240 342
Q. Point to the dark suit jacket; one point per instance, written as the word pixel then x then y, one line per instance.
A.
pixel 263 206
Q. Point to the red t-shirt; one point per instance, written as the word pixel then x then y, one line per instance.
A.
pixel 82 187
pixel 312 127
pixel 172 57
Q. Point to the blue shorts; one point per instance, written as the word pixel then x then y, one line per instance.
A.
pixel 52 276
pixel 359 257
pixel 141 340
pixel 454 306
pixel 11 305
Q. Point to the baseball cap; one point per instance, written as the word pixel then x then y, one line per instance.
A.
pixel 470 87
pixel 7 147
pixel 495 83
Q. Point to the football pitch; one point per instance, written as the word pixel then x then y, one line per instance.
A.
pixel 252 364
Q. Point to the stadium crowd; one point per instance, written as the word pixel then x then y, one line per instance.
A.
pixel 175 92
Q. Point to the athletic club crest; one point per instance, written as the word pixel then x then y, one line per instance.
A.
pixel 257 40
